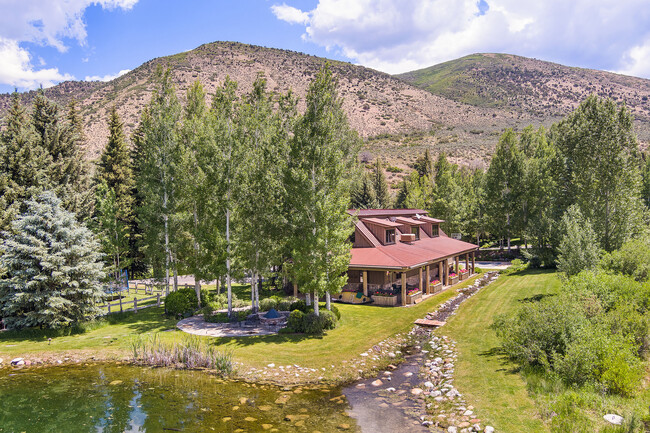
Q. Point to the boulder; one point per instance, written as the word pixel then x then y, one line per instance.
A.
pixel 610 418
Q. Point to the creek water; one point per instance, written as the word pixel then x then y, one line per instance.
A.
pixel 110 398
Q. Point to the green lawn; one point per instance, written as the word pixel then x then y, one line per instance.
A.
pixel 487 380
pixel 361 327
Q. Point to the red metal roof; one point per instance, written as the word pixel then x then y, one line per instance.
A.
pixel 431 220
pixel 381 222
pixel 409 221
pixel 401 255
pixel 368 213
pixel 367 234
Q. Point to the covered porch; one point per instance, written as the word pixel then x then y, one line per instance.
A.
pixel 395 286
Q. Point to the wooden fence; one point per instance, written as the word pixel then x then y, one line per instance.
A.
pixel 147 289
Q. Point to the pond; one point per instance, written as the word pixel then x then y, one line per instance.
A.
pixel 114 398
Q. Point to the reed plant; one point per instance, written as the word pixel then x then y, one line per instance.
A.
pixel 191 352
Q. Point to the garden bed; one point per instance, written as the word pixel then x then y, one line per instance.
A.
pixel 414 298
pixel 390 301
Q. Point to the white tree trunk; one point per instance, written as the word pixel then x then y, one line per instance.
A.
pixel 308 299
pixel 228 282
pixel 328 301
pixel 316 304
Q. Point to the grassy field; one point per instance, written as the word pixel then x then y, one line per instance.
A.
pixel 361 327
pixel 488 381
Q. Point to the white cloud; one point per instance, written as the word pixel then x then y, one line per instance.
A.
pixel 47 23
pixel 290 14
pixel 106 77
pixel 401 35
pixel 17 69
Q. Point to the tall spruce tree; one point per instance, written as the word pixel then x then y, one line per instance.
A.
pixel 53 268
pixel 446 198
pixel 23 166
pixel 323 152
pixel 60 138
pixel 116 195
pixel 597 169
pixel 363 195
pixel 645 180
pixel 381 185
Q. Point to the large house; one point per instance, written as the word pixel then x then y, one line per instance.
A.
pixel 400 255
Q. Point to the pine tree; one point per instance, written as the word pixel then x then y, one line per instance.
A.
pixel 381 185
pixel 116 195
pixel 22 165
pixel 645 180
pixel 53 268
pixel 61 140
pixel 578 249
pixel 363 195
pixel 323 152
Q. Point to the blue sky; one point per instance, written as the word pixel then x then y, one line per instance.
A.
pixel 47 41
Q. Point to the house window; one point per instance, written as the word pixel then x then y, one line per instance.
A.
pixel 416 231
pixel 390 236
pixel 434 230
pixel 353 237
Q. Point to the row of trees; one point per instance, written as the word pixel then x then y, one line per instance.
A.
pixel 590 162
pixel 239 186
pixel 242 185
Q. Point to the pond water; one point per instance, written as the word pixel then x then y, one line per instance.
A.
pixel 112 398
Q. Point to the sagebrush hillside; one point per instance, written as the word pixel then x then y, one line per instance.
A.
pixel 460 107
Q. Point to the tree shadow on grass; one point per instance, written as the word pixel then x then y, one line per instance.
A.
pixel 263 339
pixel 499 354
pixel 536 298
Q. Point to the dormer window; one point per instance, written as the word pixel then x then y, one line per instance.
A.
pixel 390 236
pixel 435 231
pixel 416 231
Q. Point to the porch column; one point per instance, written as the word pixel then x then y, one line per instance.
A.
pixel 473 261
pixel 467 262
pixel 428 280
pixel 421 280
pixel 365 283
pixel 403 288
pixel 456 269
pixel 295 290
pixel 446 273
pixel 441 274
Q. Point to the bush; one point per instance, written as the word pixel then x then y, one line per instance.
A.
pixel 313 324
pixel 268 303
pixel 284 305
pixel 222 301
pixel 299 305
pixel 328 320
pixel 296 322
pixel 517 265
pixel 182 302
pixel 222 317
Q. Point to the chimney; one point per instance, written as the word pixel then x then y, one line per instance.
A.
pixel 407 238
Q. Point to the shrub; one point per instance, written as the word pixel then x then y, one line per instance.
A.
pixel 517 265
pixel 313 324
pixel 296 322
pixel 268 303
pixel 284 305
pixel 181 302
pixel 328 320
pixel 222 317
pixel 298 304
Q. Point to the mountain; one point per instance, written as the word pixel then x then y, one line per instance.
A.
pixel 460 107
pixel 534 87
pixel 377 104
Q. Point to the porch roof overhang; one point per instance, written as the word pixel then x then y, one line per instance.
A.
pixel 400 256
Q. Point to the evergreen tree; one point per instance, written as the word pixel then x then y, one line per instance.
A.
pixel 380 185
pixel 578 250
pixel 53 268
pixel 597 169
pixel 503 188
pixel 363 195
pixel 323 152
pixel 116 173
pixel 60 139
pixel 424 165
pixel 22 165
